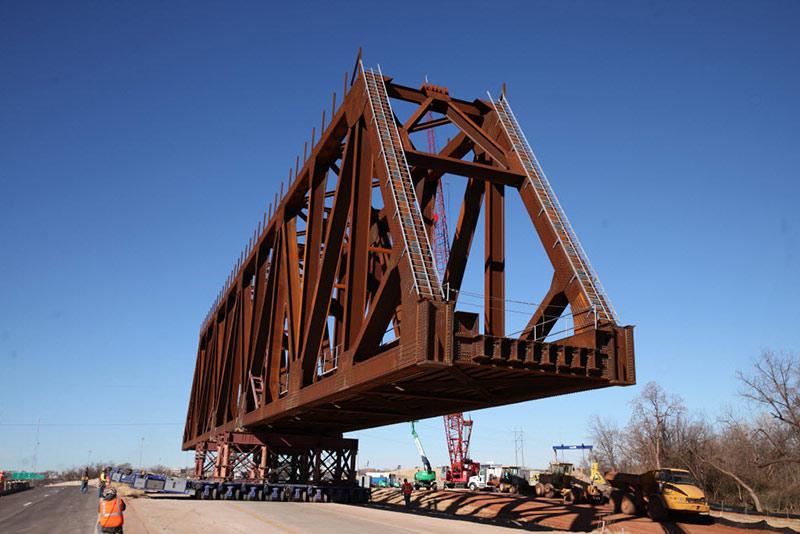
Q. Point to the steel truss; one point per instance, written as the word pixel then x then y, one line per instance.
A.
pixel 336 318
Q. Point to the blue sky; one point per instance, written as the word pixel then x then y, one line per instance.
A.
pixel 140 143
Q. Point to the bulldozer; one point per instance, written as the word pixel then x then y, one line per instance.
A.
pixel 563 480
pixel 510 479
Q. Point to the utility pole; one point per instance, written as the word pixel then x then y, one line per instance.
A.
pixel 519 447
pixel 141 451
pixel 36 446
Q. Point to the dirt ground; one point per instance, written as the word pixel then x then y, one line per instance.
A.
pixel 552 513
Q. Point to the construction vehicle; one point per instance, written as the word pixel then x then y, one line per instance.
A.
pixel 561 480
pixel 427 477
pixel 658 493
pixel 510 479
pixel 462 472
pixel 571 484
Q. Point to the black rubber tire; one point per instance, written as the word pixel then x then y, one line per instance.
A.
pixel 656 509
pixel 215 496
pixel 615 499
pixel 538 489
pixel 627 505
pixel 569 497
pixel 549 491
pixel 472 486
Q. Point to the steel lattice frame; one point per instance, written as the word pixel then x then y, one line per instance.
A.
pixel 298 342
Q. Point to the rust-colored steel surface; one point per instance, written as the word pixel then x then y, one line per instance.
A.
pixel 336 318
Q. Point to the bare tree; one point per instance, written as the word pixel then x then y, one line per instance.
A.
pixel 775 386
pixel 608 442
pixel 654 422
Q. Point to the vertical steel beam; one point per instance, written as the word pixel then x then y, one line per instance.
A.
pixel 495 256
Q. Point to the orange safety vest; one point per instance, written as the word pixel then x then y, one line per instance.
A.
pixel 110 513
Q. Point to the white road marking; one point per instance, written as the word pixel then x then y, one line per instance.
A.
pixel 27 504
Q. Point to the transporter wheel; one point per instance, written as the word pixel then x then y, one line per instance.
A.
pixel 472 486
pixel 549 491
pixel 215 493
pixel 616 500
pixel 538 489
pixel 627 505
pixel 656 510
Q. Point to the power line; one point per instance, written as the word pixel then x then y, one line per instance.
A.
pixel 519 447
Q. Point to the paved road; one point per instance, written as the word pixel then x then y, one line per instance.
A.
pixel 62 509
pixel 179 516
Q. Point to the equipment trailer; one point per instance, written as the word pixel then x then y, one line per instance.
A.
pixel 246 490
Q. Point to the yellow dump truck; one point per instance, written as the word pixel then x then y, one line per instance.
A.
pixel 657 493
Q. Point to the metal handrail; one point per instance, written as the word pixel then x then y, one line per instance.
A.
pixel 568 231
pixel 395 161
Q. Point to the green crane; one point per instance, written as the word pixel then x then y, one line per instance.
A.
pixel 427 477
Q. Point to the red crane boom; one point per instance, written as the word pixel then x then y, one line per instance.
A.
pixel 458 430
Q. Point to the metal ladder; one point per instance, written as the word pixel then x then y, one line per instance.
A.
pixel 579 262
pixel 416 246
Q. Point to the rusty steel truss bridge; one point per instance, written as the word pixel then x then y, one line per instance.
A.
pixel 335 318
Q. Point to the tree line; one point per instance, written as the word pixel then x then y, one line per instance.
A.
pixel 750 460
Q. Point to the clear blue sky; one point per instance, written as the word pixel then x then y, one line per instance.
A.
pixel 140 143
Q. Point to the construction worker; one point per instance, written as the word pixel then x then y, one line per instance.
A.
pixel 2 483
pixel 85 481
pixel 103 480
pixel 109 513
pixel 407 489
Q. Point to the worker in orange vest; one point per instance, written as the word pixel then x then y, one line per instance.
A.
pixel 109 513
pixel 407 489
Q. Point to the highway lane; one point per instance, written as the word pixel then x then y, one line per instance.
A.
pixel 62 509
